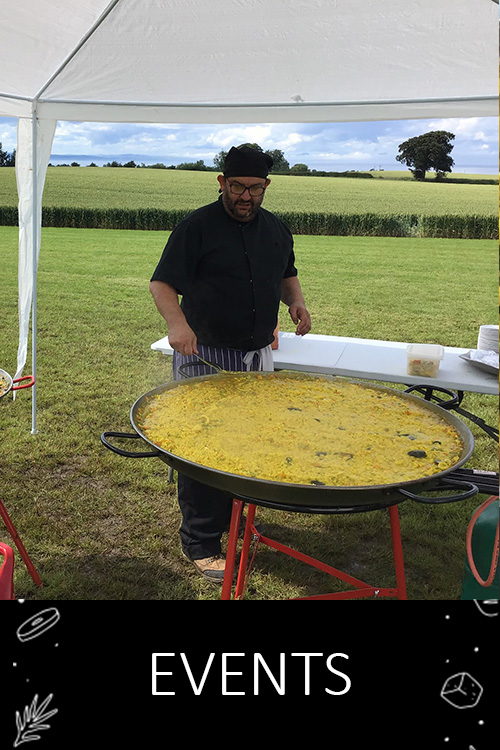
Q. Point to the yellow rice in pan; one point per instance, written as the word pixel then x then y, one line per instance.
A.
pixel 3 384
pixel 301 430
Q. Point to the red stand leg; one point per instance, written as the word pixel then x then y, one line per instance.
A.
pixel 397 548
pixel 234 530
pixel 247 539
pixel 20 546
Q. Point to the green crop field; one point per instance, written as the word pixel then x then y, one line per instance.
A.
pixel 89 187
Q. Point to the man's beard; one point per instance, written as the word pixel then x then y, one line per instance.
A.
pixel 248 208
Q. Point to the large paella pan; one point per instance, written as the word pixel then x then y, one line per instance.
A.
pixel 285 488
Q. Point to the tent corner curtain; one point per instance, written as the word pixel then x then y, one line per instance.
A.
pixel 34 145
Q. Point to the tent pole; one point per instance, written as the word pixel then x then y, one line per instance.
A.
pixel 34 160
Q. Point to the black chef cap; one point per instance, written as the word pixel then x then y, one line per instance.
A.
pixel 245 161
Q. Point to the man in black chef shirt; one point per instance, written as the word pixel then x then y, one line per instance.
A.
pixel 232 262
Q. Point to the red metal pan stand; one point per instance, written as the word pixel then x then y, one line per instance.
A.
pixel 359 590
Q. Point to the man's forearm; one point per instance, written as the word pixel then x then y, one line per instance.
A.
pixel 167 302
pixel 291 292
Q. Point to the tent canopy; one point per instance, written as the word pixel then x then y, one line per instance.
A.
pixel 223 61
pixel 248 60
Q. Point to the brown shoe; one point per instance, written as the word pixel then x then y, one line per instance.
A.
pixel 211 568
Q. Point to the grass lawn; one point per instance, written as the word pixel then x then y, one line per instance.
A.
pixel 99 526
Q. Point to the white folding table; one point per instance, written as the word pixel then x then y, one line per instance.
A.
pixel 369 359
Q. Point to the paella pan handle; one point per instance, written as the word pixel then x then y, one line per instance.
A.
pixel 26 385
pixel 428 393
pixel 200 363
pixel 120 451
pixel 450 484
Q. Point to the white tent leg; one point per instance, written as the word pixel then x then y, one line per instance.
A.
pixel 36 234
pixel 34 144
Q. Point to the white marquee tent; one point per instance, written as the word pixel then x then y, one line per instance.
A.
pixel 229 61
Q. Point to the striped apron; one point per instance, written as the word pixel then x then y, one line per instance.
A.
pixel 232 360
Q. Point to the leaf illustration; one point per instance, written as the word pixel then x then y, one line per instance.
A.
pixel 32 720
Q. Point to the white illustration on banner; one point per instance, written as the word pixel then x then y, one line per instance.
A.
pixel 32 720
pixel 488 607
pixel 462 690
pixel 38 624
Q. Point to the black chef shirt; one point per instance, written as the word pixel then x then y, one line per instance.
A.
pixel 229 274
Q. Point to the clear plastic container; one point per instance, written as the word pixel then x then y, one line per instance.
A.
pixel 423 359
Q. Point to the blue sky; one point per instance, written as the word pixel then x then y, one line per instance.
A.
pixel 328 146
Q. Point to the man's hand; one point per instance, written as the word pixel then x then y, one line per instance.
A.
pixel 299 314
pixel 291 295
pixel 182 338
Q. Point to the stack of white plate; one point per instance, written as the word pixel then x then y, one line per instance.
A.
pixel 488 338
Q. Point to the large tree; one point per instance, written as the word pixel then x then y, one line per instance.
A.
pixel 299 169
pixel 426 152
pixel 219 160
pixel 280 164
pixel 6 159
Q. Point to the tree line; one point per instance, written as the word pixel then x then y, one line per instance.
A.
pixel 421 154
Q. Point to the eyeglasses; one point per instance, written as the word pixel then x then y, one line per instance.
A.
pixel 237 188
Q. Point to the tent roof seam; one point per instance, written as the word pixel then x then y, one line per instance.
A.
pixel 112 4
pixel 225 105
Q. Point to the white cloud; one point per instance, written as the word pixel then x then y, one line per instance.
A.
pixel 226 137
pixel 470 128
pixel 348 156
pixel 293 139
pixel 8 134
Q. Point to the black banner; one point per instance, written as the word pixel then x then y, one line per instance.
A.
pixel 404 675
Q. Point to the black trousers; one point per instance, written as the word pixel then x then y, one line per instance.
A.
pixel 206 512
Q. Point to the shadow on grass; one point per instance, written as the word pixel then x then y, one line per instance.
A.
pixel 115 577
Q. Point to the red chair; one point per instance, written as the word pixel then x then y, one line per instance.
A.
pixel 6 572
